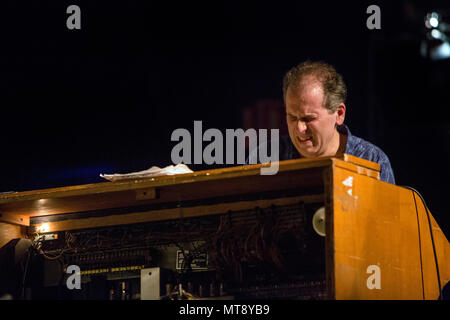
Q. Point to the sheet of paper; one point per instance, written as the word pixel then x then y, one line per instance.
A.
pixel 152 172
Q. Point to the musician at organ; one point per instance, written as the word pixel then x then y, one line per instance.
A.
pixel 314 95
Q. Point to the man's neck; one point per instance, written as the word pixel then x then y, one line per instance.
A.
pixel 337 146
pixel 342 144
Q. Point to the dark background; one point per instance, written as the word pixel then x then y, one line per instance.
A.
pixel 106 98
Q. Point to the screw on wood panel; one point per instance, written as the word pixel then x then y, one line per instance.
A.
pixel 146 194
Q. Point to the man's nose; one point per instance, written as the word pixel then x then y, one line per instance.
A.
pixel 301 126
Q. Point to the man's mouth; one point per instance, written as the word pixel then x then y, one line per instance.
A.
pixel 304 139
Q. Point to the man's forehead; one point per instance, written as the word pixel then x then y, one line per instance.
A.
pixel 305 85
pixel 305 91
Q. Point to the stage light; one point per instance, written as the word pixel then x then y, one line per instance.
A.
pixel 436 44
pixel 432 20
pixel 441 52
pixel 436 34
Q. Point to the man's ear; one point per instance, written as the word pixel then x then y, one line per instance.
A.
pixel 340 114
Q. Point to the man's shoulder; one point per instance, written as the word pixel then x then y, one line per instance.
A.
pixel 361 148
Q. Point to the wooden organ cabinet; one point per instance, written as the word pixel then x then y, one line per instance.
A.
pixel 233 233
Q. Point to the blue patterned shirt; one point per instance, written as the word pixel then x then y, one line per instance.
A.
pixel 355 146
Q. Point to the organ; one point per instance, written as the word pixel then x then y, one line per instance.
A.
pixel 233 233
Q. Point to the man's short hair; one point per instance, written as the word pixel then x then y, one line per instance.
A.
pixel 334 88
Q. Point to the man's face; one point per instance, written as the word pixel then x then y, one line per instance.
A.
pixel 312 127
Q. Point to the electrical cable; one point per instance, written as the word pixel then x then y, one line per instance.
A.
pixel 420 245
pixel 432 238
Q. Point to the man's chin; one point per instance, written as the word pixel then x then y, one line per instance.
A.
pixel 306 153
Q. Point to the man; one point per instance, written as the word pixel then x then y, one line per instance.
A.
pixel 314 95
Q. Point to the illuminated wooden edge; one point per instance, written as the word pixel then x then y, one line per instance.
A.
pixel 204 175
